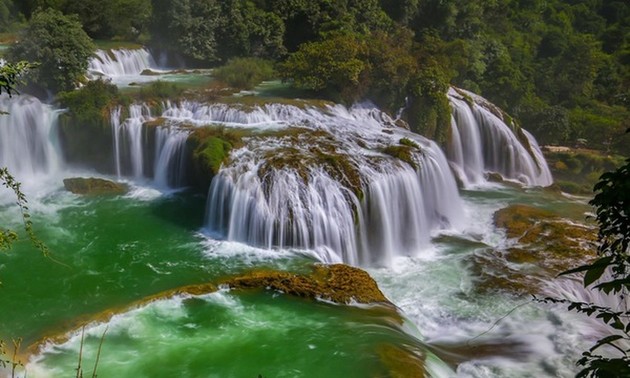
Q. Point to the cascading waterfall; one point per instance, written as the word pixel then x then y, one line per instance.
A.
pixel 170 152
pixel 134 142
pixel 481 142
pixel 28 142
pixel 121 62
pixel 308 206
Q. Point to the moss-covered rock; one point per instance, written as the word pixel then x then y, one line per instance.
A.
pixel 543 245
pixel 210 148
pixel 94 186
pixel 338 283
pixel 322 152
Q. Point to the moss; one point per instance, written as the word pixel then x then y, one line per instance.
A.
pixel 409 143
pixel 94 186
pixel 210 148
pixel 517 219
pixel 577 170
pixel 403 152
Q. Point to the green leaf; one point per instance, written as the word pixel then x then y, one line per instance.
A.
pixel 606 340
pixel 596 270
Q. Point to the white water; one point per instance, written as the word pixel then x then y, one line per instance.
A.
pixel 28 138
pixel 133 143
pixel 118 63
pixel 481 142
pixel 306 206
pixel 399 208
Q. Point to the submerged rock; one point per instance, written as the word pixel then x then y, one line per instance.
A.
pixel 402 362
pixel 542 245
pixel 94 186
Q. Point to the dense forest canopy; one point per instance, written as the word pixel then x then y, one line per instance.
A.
pixel 562 68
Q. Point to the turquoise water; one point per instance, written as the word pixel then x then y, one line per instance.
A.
pixel 108 252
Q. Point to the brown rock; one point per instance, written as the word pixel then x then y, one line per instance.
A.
pixel 94 186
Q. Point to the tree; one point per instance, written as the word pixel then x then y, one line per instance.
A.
pixel 115 18
pixel 188 26
pixel 610 274
pixel 332 66
pixel 60 46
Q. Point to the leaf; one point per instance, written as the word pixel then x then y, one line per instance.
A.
pixel 615 285
pixel 606 340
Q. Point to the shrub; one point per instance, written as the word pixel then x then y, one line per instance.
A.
pixel 90 102
pixel 160 90
pixel 245 73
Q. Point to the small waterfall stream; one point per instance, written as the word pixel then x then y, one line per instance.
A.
pixel 143 152
pixel 121 62
pixel 28 139
pixel 481 142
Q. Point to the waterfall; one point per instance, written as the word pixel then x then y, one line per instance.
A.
pixel 481 142
pixel 28 142
pixel 148 152
pixel 286 193
pixel 170 152
pixel 121 62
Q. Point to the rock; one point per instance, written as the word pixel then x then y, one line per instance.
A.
pixel 93 186
pixel 338 283
pixel 494 177
pixel 149 72
pixel 543 245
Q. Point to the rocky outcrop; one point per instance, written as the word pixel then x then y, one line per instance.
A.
pixel 94 186
pixel 541 245
pixel 338 283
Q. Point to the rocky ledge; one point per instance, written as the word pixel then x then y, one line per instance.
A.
pixel 93 186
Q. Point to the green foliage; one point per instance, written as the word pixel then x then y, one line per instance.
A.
pixel 92 102
pixel 211 31
pixel 247 30
pixel 160 90
pixel 332 66
pixel 245 73
pixel 126 19
pixel 9 74
pixel 59 45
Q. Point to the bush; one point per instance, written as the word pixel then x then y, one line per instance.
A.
pixel 160 90
pixel 245 73
pixel 91 102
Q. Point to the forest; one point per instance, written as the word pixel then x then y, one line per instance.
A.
pixel 561 68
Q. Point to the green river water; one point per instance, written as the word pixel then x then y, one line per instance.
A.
pixel 108 252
